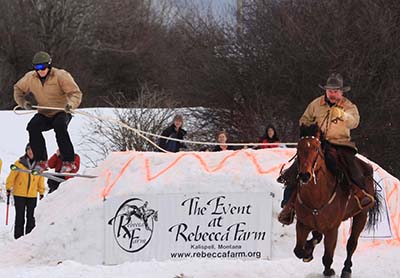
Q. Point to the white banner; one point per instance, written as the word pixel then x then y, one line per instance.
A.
pixel 179 226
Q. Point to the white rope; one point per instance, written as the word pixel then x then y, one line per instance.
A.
pixel 90 116
pixel 137 131
pixel 22 112
pixel 141 133
pixel 50 108
pixel 175 139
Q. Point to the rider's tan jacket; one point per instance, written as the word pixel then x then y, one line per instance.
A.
pixel 58 90
pixel 336 131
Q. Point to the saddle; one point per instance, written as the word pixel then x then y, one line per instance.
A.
pixel 353 174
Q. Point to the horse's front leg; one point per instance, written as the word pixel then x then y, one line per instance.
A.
pixel 302 232
pixel 310 245
pixel 330 240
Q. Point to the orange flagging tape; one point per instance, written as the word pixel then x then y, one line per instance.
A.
pixel 107 189
pixel 392 196
pixel 149 176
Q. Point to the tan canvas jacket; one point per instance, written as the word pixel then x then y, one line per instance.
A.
pixel 58 90
pixel 336 132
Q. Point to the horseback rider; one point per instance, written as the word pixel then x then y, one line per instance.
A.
pixel 336 116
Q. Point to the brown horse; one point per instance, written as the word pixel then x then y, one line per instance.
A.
pixel 322 203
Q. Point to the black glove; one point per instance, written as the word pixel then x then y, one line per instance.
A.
pixel 8 193
pixel 27 105
pixel 41 197
pixel 68 108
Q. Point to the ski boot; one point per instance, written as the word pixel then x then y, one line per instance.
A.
pixel 68 167
pixel 40 167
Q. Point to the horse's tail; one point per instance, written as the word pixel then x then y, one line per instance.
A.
pixel 374 213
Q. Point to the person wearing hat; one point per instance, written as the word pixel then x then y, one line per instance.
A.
pixel 51 87
pixel 26 188
pixel 174 131
pixel 336 116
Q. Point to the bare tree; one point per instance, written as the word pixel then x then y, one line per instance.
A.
pixel 264 71
pixel 14 41
pixel 150 112
pixel 58 26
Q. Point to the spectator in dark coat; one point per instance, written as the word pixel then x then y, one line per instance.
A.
pixel 173 131
pixel 222 138
pixel 269 136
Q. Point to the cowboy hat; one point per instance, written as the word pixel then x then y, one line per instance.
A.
pixel 335 82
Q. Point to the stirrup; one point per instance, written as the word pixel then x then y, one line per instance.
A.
pixel 280 179
pixel 365 201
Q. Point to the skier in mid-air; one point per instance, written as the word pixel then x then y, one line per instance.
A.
pixel 51 87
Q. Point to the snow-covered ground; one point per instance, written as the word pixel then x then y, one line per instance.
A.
pixel 68 239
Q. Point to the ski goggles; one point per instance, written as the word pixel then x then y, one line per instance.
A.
pixel 40 66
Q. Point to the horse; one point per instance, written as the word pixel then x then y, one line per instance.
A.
pixel 142 213
pixel 322 203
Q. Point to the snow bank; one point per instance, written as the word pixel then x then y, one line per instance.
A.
pixel 70 224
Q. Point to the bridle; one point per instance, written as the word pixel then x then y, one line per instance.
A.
pixel 319 154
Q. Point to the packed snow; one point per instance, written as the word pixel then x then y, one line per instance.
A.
pixel 68 240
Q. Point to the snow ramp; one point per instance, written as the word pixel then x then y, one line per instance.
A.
pixel 225 198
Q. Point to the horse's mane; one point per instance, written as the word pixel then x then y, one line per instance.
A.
pixel 312 130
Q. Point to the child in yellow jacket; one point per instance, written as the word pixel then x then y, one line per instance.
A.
pixel 25 190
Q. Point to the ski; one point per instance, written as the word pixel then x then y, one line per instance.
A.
pixel 54 174
pixel 72 175
pixel 14 167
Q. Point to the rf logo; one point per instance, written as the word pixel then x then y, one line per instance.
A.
pixel 133 225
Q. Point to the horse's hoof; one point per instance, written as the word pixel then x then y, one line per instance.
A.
pixel 329 273
pixel 345 274
pixel 299 253
pixel 308 259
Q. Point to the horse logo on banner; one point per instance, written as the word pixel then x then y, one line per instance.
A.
pixel 133 225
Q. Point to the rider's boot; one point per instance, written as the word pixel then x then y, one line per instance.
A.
pixel 286 216
pixel 68 167
pixel 289 178
pixel 361 178
pixel 40 166
pixel 364 199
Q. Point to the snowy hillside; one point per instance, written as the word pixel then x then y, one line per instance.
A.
pixel 68 240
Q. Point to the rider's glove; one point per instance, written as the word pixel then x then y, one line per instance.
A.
pixel 68 108
pixel 27 105
pixel 337 113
